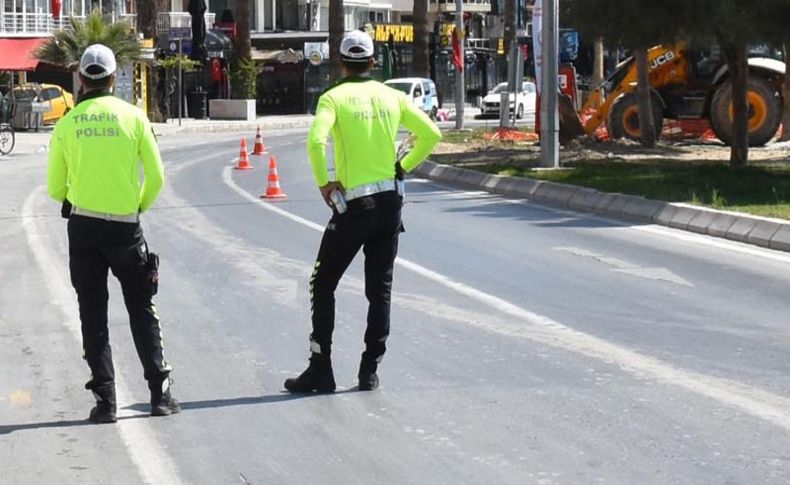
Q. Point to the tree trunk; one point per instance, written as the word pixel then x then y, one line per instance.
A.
pixel 510 24
pixel 421 29
pixel 735 53
pixel 647 130
pixel 242 46
pixel 786 96
pixel 147 12
pixel 337 28
pixel 598 73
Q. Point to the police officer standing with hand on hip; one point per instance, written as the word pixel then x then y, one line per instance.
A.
pixel 363 117
pixel 94 169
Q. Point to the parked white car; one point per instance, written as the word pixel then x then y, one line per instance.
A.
pixel 522 102
pixel 421 91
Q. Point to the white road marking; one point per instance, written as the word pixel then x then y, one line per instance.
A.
pixel 716 242
pixel 753 401
pixel 153 463
pixel 625 267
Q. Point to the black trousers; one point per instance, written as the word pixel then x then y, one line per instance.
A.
pixel 95 246
pixel 372 223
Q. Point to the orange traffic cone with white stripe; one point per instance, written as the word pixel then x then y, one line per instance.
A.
pixel 244 160
pixel 273 190
pixel 259 146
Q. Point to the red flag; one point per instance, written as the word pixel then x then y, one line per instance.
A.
pixel 457 59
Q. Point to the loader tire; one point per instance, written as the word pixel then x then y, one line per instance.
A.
pixel 623 118
pixel 764 111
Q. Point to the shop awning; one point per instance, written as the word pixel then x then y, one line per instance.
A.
pixel 283 56
pixel 18 54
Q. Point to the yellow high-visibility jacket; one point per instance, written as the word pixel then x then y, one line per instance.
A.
pixel 95 156
pixel 363 117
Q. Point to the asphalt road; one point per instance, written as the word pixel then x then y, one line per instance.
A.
pixel 529 345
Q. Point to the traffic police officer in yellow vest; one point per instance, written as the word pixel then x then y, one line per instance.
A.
pixel 363 117
pixel 94 170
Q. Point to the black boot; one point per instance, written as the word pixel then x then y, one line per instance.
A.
pixel 105 408
pixel 317 377
pixel 368 380
pixel 162 401
pixel 102 412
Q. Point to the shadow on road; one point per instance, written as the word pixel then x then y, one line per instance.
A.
pixel 241 401
pixel 186 406
pixel 65 423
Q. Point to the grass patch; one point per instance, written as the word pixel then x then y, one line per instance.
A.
pixel 759 191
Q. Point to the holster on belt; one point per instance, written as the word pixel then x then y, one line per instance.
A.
pixel 153 271
pixel 399 173
pixel 65 209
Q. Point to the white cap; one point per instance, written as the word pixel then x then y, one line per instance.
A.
pixel 100 58
pixel 356 46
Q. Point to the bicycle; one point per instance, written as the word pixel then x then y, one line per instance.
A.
pixel 7 138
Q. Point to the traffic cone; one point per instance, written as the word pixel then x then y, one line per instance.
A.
pixel 273 190
pixel 244 160
pixel 259 146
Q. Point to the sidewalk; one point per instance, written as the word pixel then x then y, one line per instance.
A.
pixel 270 122
pixel 30 143
pixel 759 231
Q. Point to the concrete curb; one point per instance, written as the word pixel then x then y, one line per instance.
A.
pixel 219 126
pixel 758 231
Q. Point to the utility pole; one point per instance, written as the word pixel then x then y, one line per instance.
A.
pixel 549 118
pixel 460 90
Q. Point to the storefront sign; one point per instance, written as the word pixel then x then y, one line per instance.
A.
pixel 147 54
pixel 316 52
pixel 399 32
pixel 124 83
pixel 446 29
pixel 179 33
pixel 316 58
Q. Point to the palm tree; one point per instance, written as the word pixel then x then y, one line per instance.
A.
pixel 420 20
pixel 65 47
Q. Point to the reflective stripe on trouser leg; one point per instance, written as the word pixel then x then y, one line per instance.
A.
pixel 341 241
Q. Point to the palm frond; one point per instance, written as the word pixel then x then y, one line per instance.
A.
pixel 65 47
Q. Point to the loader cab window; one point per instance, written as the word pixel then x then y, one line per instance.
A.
pixel 705 60
pixel 764 50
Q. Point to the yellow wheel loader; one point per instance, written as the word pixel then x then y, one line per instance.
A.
pixel 690 82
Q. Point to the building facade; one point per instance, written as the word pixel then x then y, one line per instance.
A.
pixel 289 40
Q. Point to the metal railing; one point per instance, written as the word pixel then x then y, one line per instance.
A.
pixel 129 18
pixel 480 6
pixel 171 20
pixel 44 24
pixel 31 23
